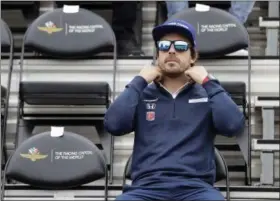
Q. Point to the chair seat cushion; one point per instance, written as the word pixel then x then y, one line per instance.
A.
pixel 57 162
pixel 65 93
pixel 237 91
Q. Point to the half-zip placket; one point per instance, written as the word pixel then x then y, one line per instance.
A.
pixel 175 95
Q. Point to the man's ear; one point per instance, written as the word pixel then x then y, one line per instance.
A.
pixel 193 61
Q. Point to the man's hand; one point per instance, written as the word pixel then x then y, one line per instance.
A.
pixel 151 73
pixel 197 73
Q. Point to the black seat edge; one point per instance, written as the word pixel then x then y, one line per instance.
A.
pixel 65 93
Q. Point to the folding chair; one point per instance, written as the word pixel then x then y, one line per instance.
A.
pixel 48 137
pixel 212 25
pixel 237 91
pixel 221 171
pixel 6 46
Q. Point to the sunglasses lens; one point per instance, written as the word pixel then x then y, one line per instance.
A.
pixel 164 45
pixel 181 45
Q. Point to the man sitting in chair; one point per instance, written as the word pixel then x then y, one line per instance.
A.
pixel 175 109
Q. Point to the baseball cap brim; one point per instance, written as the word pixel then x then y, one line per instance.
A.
pixel 162 30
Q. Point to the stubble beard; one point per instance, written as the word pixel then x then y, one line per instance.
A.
pixel 173 74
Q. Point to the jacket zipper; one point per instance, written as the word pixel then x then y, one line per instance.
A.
pixel 174 100
pixel 174 114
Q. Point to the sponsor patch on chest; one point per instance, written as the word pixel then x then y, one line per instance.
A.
pixel 150 116
pixel 198 100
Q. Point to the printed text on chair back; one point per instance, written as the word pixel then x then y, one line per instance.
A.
pixel 5 35
pixel 218 32
pixel 57 162
pixel 69 35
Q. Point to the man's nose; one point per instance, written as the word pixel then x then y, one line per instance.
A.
pixel 172 50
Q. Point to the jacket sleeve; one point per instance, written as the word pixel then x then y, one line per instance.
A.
pixel 228 120
pixel 119 118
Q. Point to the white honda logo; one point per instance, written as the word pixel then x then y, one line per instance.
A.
pixel 150 106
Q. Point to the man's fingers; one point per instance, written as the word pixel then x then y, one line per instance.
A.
pixel 189 78
pixel 159 77
pixel 187 72
pixel 158 69
pixel 159 74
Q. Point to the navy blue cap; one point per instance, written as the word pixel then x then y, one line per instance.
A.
pixel 175 26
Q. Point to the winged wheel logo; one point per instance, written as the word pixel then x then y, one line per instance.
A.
pixel 34 155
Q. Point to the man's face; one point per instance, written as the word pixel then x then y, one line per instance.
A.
pixel 174 63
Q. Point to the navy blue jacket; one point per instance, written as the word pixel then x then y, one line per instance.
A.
pixel 174 137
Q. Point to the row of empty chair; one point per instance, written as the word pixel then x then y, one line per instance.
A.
pixel 31 9
pixel 51 143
